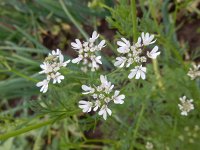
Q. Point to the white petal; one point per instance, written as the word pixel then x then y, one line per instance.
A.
pixel 126 41
pixel 82 102
pixel 103 79
pixel 76 45
pixel 76 60
pixel 101 112
pixel 116 93
pixel 121 49
pixel 122 44
pixel 155 49
pixel 120 62
pixel 94 37
pixel 137 75
pixel 39 84
pixel 142 75
pixel 98 59
pixel 86 88
pixel 104 115
pixel 132 74
pixel 109 111
pixel 142 35
pixel 184 113
pixel 144 69
pixel 101 44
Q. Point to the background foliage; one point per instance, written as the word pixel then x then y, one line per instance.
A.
pixel 29 29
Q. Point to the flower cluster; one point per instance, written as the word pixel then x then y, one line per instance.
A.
pixel 186 105
pixel 87 52
pixel 194 72
pixel 149 146
pixel 134 55
pixel 102 96
pixel 51 65
pixel 190 134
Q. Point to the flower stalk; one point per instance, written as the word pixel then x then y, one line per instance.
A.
pixel 34 126
pixel 137 125
pixel 133 6
pixel 73 20
pixel 157 73
pixel 26 129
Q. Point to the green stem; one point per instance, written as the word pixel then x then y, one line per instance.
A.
pixel 108 141
pixel 157 73
pixel 106 7
pixel 134 19
pixel 78 26
pixel 137 125
pixel 23 76
pixel 26 49
pixel 35 126
pixel 24 130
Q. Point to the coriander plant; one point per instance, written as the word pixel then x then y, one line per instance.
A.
pixel 110 75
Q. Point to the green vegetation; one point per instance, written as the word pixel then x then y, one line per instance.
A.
pixel 29 30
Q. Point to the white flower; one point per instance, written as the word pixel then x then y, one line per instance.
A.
pixel 147 39
pixel 124 46
pixel 103 95
pixel 87 51
pixel 118 99
pixel 62 63
pixel 154 53
pixel 108 88
pixel 106 84
pixel 98 59
pixel 103 80
pixel 44 85
pixel 194 72
pixel 97 105
pixel 52 64
pixel 185 106
pixel 85 105
pixel 94 96
pixel 77 44
pixel 77 60
pixel 149 146
pixel 104 111
pixel 139 42
pixel 87 89
pixel 95 62
pixel 107 100
pixel 55 53
pixel 57 77
pixel 101 44
pixel 134 55
pixel 143 59
pixel 129 62
pixel 120 62
pixel 138 72
pixel 94 37
pixel 47 68
pixel 58 55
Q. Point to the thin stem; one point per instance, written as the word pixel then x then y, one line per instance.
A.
pixel 134 18
pixel 106 7
pixel 158 76
pixel 137 125
pixel 108 141
pixel 24 130
pixel 35 126
pixel 78 26
pixel 26 49
pixel 23 75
